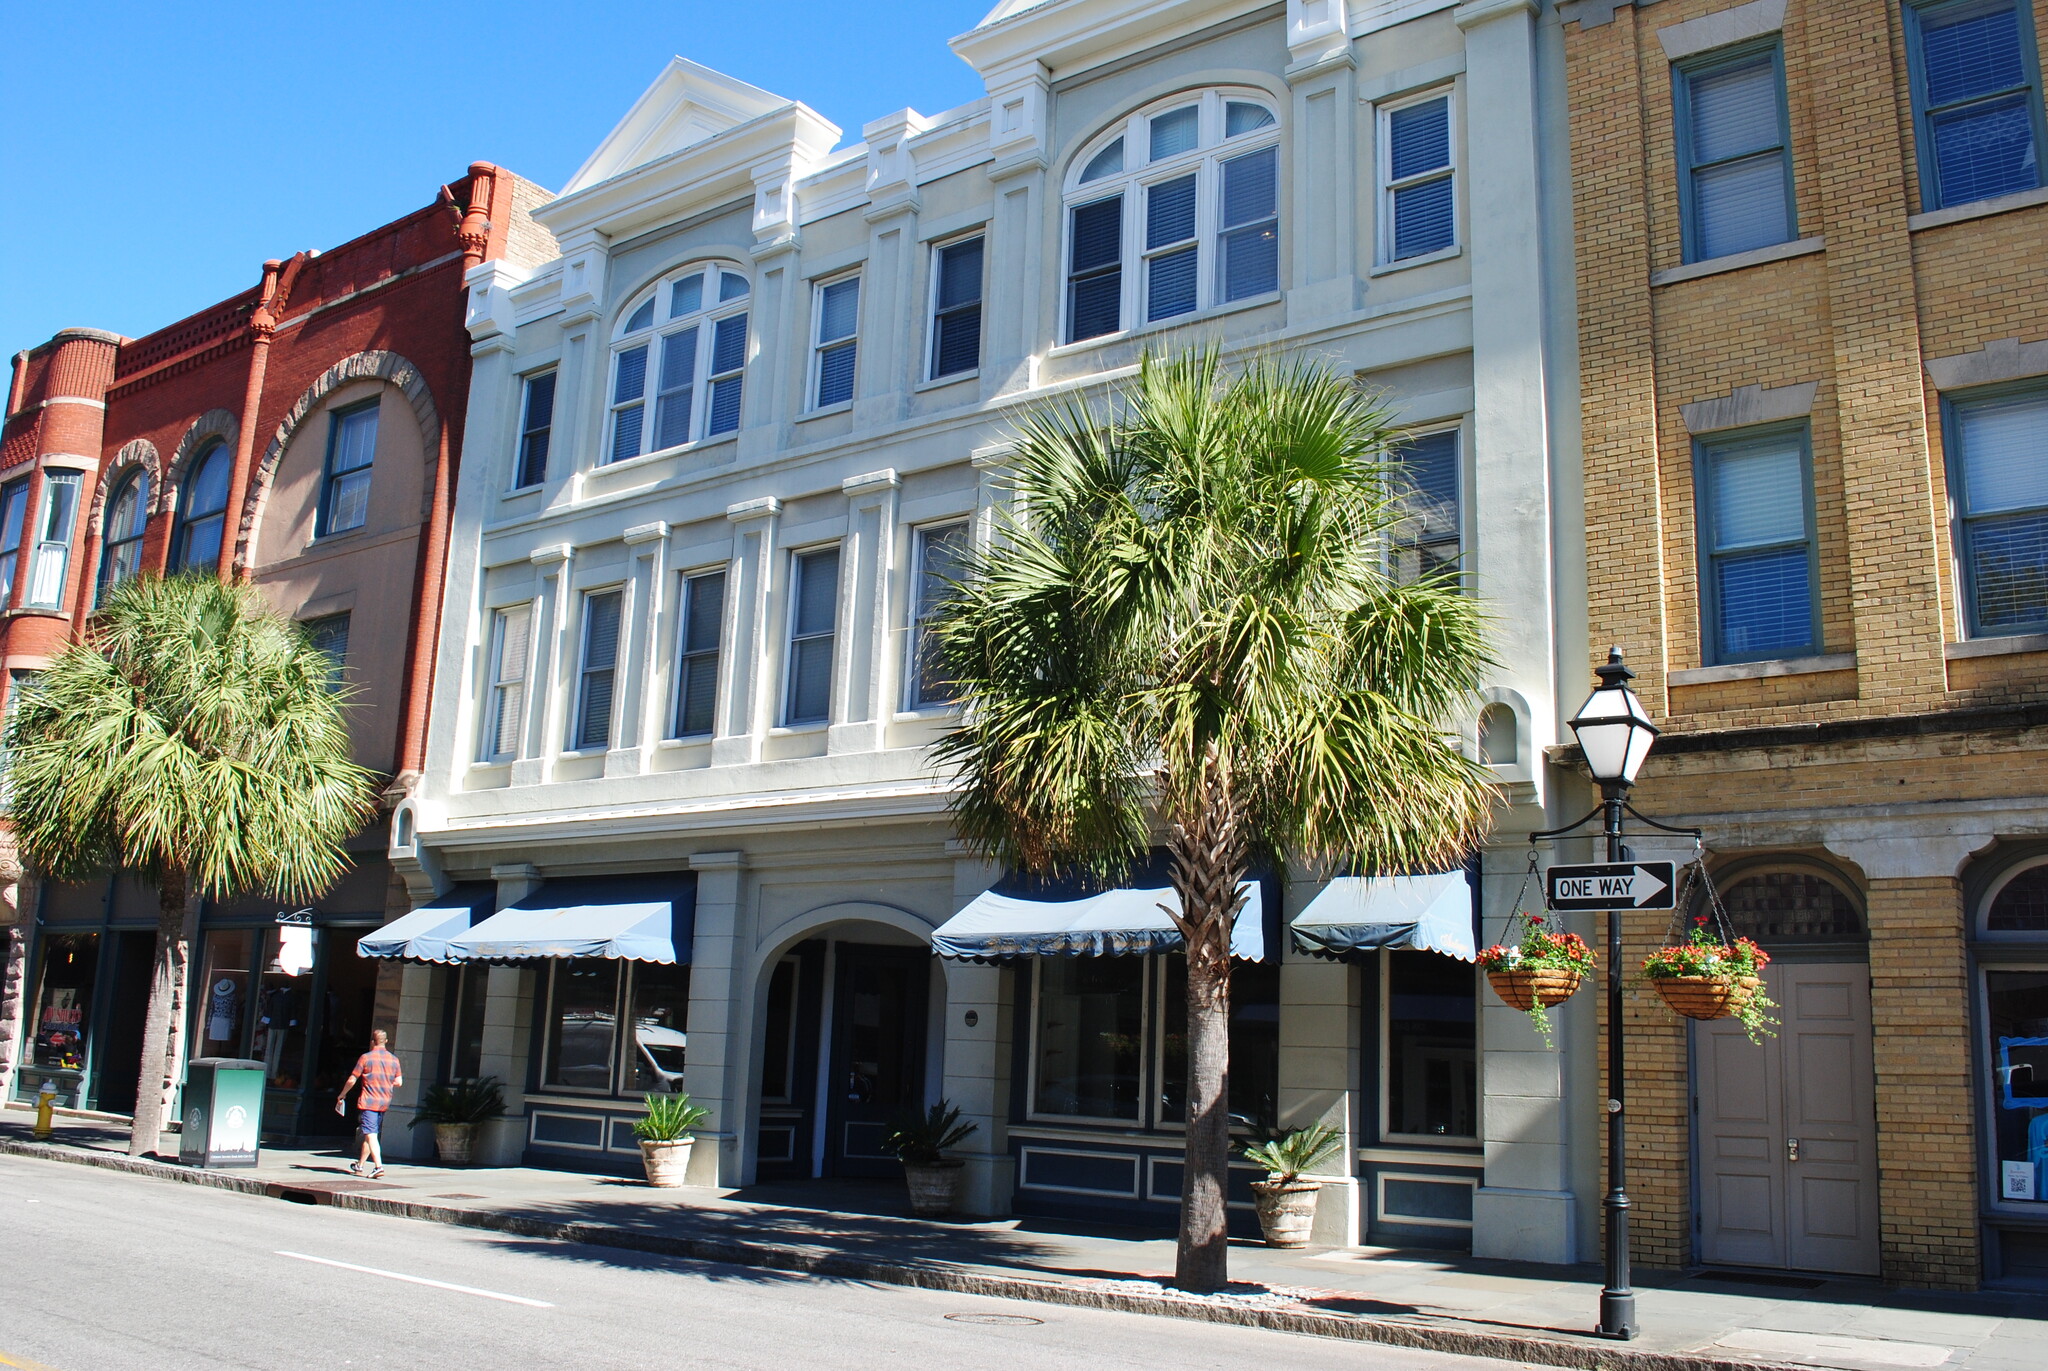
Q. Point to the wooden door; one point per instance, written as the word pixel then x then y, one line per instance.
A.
pixel 1787 1142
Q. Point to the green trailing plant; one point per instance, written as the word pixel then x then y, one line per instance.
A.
pixel 461 1101
pixel 922 1139
pixel 195 739
pixel 1289 1155
pixel 669 1118
pixel 1187 621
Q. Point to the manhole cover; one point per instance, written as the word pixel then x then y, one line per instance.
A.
pixel 993 1318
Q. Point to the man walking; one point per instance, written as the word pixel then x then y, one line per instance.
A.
pixel 381 1075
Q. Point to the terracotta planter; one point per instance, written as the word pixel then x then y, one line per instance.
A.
pixel 934 1188
pixel 1524 988
pixel 1287 1210
pixel 667 1161
pixel 456 1142
pixel 1706 997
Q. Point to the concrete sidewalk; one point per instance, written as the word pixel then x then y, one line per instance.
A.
pixel 1532 1314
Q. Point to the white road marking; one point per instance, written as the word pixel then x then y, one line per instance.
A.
pixel 421 1280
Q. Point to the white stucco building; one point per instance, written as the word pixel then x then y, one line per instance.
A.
pixel 715 448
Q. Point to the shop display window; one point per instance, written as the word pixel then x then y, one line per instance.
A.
pixel 661 1008
pixel 586 1052
pixel 1087 1050
pixel 283 1000
pixel 2016 1015
pixel 1254 1045
pixel 472 992
pixel 63 1002
pixel 223 992
pixel 1431 1044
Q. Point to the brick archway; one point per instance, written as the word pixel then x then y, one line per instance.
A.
pixel 138 453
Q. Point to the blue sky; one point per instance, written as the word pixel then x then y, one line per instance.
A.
pixel 152 155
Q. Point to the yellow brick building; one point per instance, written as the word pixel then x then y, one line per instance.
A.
pixel 1812 274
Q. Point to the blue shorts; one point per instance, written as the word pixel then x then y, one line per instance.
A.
pixel 370 1122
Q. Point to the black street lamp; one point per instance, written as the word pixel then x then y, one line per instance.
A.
pixel 1615 734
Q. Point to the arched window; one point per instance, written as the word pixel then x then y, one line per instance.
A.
pixel 1172 212
pixel 2021 904
pixel 680 353
pixel 202 511
pixel 121 538
pixel 1792 906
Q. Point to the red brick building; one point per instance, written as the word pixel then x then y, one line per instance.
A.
pixel 302 434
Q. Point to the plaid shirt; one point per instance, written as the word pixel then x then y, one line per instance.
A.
pixel 379 1072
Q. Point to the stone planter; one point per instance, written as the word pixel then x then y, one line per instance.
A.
pixel 934 1188
pixel 1706 997
pixel 1287 1210
pixel 456 1142
pixel 667 1160
pixel 1524 988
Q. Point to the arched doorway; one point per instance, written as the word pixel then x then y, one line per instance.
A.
pixel 1786 1129
pixel 846 1046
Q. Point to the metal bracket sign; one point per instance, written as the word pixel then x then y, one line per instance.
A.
pixel 1612 885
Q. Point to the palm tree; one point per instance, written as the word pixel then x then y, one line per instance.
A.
pixel 194 739
pixel 1188 619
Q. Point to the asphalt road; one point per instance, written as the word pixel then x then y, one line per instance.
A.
pixel 106 1272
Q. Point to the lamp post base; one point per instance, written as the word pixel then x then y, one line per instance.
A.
pixel 1618 1315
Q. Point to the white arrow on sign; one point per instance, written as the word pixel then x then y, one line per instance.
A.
pixel 1643 886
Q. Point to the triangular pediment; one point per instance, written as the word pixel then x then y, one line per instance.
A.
pixel 686 104
pixel 1007 8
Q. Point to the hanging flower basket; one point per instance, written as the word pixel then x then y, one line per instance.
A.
pixel 1706 978
pixel 1542 970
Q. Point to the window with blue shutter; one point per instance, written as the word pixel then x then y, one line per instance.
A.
pixel 1426 541
pixel 697 670
pixel 1755 502
pixel 1735 187
pixel 1976 99
pixel 1998 476
pixel 678 365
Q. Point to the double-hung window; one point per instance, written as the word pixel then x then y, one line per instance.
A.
pixel 1425 470
pixel 1418 200
pixel 13 510
pixel 598 672
pixel 536 427
pixel 55 522
pixel 941 551
pixel 345 490
pixel 328 635
pixel 697 661
pixel 1998 476
pixel 838 345
pixel 813 622
pixel 678 363
pixel 1758 595
pixel 505 702
pixel 127 518
pixel 1976 99
pixel 1173 212
pixel 956 307
pixel 1735 178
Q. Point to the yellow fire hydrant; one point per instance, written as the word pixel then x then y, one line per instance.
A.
pixel 46 1105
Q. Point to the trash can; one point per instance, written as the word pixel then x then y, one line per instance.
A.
pixel 223 1111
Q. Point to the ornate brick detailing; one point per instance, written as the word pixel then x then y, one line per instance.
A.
pixel 362 366
pixel 215 423
pixel 140 452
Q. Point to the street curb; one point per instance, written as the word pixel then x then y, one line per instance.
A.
pixel 954 1280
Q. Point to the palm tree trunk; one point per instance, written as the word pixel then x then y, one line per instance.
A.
pixel 1208 864
pixel 165 1016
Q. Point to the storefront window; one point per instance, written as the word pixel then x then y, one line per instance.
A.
pixel 2016 1011
pixel 583 1024
pixel 472 992
pixel 661 1008
pixel 224 992
pixel 63 1001
pixel 1091 1017
pixel 1254 1045
pixel 282 1005
pixel 1432 1039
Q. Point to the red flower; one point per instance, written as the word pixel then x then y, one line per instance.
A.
pixel 1536 919
pixel 1700 919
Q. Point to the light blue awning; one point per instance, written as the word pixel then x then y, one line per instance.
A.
pixel 1107 923
pixel 626 918
pixel 423 934
pixel 1371 913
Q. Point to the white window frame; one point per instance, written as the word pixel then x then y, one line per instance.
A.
pixel 931 309
pixel 497 684
pixel 1386 1082
pixel 584 669
pixel 1205 159
pixel 51 565
pixel 1383 158
pixel 919 540
pixel 820 345
pixel 705 319
pixel 524 430
pixel 1455 427
pixel 1148 1081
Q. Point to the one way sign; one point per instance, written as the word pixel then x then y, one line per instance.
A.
pixel 1620 885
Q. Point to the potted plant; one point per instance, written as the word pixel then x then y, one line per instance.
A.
pixel 665 1137
pixel 1286 1199
pixel 920 1142
pixel 1544 969
pixel 1705 978
pixel 457 1109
